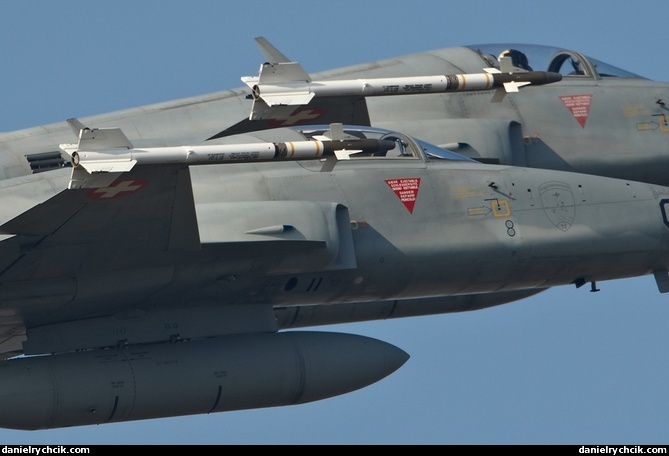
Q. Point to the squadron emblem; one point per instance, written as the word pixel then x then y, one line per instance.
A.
pixel 558 202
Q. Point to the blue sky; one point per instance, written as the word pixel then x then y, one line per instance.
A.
pixel 564 367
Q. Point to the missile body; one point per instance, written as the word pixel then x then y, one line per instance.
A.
pixel 277 92
pixel 123 159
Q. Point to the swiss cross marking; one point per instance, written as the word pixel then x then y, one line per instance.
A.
pixel 117 189
pixel 298 116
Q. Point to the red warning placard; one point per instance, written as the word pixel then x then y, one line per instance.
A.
pixel 406 190
pixel 579 105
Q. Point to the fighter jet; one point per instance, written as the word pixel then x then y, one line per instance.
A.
pixel 148 282
pixel 164 260
pixel 524 105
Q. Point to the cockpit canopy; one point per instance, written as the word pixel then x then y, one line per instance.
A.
pixel 547 58
pixel 405 146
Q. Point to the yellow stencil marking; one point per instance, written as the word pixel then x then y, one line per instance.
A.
pixel 475 211
pixel 501 208
pixel 466 191
pixel 636 110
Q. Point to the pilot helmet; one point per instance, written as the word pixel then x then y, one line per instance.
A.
pixel 518 59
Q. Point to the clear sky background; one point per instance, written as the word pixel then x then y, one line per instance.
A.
pixel 564 367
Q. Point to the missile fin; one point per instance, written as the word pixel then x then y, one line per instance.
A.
pixel 272 54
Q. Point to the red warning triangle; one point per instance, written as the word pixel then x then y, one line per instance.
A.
pixel 579 105
pixel 406 190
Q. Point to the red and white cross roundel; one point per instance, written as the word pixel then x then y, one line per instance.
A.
pixel 117 189
pixel 298 117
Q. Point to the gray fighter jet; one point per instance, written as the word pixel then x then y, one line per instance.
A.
pixel 152 282
pixel 156 262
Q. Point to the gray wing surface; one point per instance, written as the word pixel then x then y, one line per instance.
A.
pixel 68 252
pixel 148 211
pixel 140 246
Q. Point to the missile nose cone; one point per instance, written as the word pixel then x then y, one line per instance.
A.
pixel 553 77
pixel 528 77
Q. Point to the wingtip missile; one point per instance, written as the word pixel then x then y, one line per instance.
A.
pixel 108 151
pixel 286 84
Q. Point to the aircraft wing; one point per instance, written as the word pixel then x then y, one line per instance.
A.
pixel 90 241
pixel 351 110
pixel 89 253
pixel 149 207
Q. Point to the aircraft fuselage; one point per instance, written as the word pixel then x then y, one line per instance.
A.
pixel 370 229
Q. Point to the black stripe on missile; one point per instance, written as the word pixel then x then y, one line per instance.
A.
pixel 363 145
pixel 533 77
